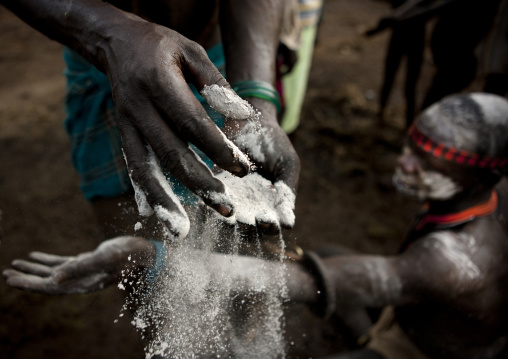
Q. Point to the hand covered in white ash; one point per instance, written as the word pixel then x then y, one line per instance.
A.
pixel 271 151
pixel 155 106
pixel 85 273
pixel 259 203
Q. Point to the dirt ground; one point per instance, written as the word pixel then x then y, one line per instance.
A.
pixel 345 194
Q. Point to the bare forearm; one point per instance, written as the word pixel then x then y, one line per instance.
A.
pixel 365 280
pixel 83 25
pixel 250 31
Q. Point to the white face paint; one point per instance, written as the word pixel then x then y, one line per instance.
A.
pixel 424 184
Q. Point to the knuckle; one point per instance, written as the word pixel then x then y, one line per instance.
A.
pixel 170 159
pixel 189 127
pixel 194 50
pixel 139 170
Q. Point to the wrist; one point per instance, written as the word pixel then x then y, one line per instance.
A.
pixel 255 91
pixel 325 303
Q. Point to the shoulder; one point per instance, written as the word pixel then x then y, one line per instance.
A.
pixel 446 263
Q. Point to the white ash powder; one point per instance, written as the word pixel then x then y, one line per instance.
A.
pixel 206 304
pixel 227 102
pixel 256 198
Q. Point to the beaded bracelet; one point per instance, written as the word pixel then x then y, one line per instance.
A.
pixel 259 89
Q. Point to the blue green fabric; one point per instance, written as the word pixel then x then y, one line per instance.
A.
pixel 95 138
pixel 159 264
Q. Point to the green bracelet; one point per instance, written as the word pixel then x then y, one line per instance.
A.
pixel 259 89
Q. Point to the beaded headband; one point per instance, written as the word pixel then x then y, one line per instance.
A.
pixel 451 154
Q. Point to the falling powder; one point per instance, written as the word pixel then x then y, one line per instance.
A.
pixel 210 302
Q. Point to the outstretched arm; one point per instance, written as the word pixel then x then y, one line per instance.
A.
pixel 84 273
pixel 437 267
pixel 148 67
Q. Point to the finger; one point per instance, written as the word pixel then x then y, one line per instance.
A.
pixel 152 191
pixel 189 120
pixel 10 273
pixel 269 228
pixel 32 268
pixel 29 282
pixel 286 175
pixel 267 221
pixel 227 102
pixel 212 85
pixel 247 232
pixel 48 259
pixel 185 165
pixel 285 204
pixel 287 166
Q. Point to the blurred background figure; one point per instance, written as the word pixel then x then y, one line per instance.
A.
pixel 295 58
pixel 467 43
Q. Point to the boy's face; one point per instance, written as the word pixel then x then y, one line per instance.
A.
pixel 420 175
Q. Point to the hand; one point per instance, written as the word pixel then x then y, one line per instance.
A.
pixel 270 149
pixel 148 67
pixel 85 273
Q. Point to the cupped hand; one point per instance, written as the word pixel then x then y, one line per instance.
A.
pixel 88 272
pixel 149 68
pixel 274 157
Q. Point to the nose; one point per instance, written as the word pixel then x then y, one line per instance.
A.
pixel 409 163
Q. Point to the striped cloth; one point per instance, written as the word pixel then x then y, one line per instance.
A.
pixel 95 138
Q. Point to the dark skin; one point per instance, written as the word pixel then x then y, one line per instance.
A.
pixel 448 287
pixel 150 50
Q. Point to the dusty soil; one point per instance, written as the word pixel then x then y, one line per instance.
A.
pixel 345 195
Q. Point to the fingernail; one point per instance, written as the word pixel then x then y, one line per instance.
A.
pixel 240 171
pixel 224 210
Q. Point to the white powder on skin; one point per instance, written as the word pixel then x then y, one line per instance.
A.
pixel 143 207
pixel 177 219
pixel 227 102
pixel 236 151
pixel 180 223
pixel 448 246
pixel 256 199
pixel 425 184
pixel 382 281
pixel 285 204
pixel 256 141
pixel 251 142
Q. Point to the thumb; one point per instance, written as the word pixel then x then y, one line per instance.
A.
pixel 213 86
